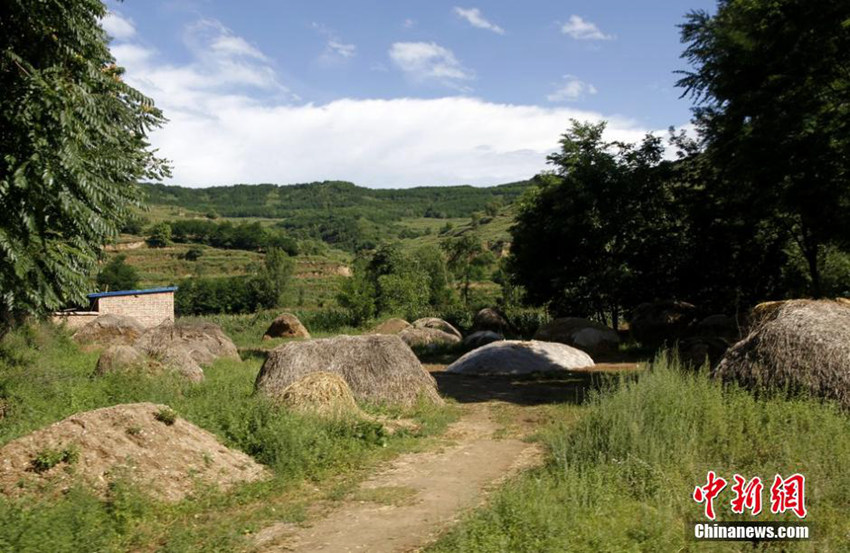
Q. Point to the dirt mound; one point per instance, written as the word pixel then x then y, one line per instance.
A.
pixel 380 369
pixel 583 334
pixel 799 345
pixel 391 326
pixel 286 325
pixel 110 330
pixel 518 357
pixel 320 392
pixel 140 441
pixel 493 320
pixel 204 342
pixel 437 324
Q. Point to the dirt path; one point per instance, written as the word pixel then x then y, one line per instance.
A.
pixel 408 503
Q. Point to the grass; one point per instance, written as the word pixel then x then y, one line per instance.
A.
pixel 620 478
pixel 44 378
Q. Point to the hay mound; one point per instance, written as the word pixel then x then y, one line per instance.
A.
pixel 437 324
pixel 424 337
pixel 511 357
pixel 126 441
pixel 286 325
pixel 583 334
pixel 799 345
pixel 120 358
pixel 379 369
pixel 653 324
pixel 204 342
pixel 110 330
pixel 321 392
pixel 481 338
pixel 493 320
pixel 391 326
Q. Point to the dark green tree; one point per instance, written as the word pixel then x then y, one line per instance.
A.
pixel 272 279
pixel 72 148
pixel 601 233
pixel 117 275
pixel 467 259
pixel 771 82
pixel 159 235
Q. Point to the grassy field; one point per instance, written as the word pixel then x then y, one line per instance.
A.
pixel 620 478
pixel 45 377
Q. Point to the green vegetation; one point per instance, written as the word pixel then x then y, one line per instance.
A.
pixel 49 458
pixel 44 377
pixel 622 476
pixel 166 415
pixel 225 235
pixel 72 149
pixel 117 275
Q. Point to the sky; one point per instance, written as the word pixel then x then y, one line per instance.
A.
pixel 395 94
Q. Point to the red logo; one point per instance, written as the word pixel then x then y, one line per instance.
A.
pixel 786 494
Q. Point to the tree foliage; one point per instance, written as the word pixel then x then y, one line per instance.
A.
pixel 771 79
pixel 72 147
pixel 117 275
pixel 601 233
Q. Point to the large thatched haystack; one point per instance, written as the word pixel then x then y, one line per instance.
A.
pixel 322 393
pixel 798 345
pixel 377 368
pixel 510 357
pixel 204 342
pixel 286 325
pixel 110 330
pixel 438 324
pixel 583 334
pixel 391 326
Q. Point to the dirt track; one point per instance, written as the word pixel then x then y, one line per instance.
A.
pixel 410 501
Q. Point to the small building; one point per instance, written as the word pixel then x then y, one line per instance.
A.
pixel 150 307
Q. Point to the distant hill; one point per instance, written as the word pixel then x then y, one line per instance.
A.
pixel 316 200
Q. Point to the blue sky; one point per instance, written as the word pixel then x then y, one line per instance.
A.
pixel 394 94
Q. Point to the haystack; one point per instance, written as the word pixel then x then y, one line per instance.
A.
pixel 286 325
pixel 131 441
pixel 323 393
pixel 127 358
pixel 437 324
pixel 205 342
pixel 493 320
pixel 391 326
pixel 653 324
pixel 377 368
pixel 120 358
pixel 512 357
pixel 425 336
pixel 481 338
pixel 583 334
pixel 110 330
pixel 798 345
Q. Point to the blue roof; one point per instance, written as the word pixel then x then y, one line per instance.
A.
pixel 132 292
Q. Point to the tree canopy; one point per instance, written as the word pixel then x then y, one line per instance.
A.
pixel 72 148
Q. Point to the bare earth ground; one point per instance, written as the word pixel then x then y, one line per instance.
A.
pixel 410 501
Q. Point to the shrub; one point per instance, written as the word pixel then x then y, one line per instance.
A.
pixel 166 416
pixel 46 459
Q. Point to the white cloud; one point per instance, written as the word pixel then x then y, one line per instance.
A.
pixel 335 48
pixel 428 61
pixel 118 27
pixel 571 89
pixel 230 123
pixel 580 29
pixel 477 19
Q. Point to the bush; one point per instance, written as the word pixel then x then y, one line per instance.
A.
pixel 159 235
pixel 117 275
pixel 526 320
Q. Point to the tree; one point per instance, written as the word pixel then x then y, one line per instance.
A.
pixel 600 234
pixel 159 235
pixel 467 260
pixel 771 82
pixel 72 148
pixel 272 278
pixel 117 275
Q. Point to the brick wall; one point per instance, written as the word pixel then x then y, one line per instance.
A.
pixel 75 319
pixel 148 309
